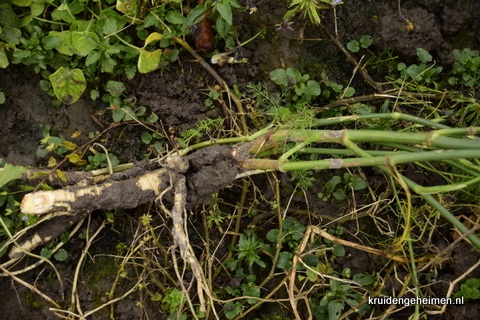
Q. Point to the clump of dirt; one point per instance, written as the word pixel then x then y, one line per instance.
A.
pixel 211 170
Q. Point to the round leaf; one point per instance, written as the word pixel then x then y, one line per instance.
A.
pixel 353 46
pixel 149 61
pixel 68 85
pixel 423 55
pixel 84 42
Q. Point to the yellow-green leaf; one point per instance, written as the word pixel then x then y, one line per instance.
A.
pixel 68 85
pixel 61 175
pixel 69 145
pixel 65 47
pixel 155 36
pixel 73 158
pixel 22 3
pixel 149 61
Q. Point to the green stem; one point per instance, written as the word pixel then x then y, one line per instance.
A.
pixel 379 116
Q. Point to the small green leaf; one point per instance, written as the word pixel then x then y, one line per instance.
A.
pixel 110 25
pixel 353 46
pixel 423 55
pixel 225 11
pixel 194 16
pixel 63 13
pixel 46 253
pixel 349 92
pixel 92 58
pixel 358 183
pixel 2 97
pixel 115 88
pixel 61 255
pixel 338 250
pixel 146 138
pixel 366 41
pixel 272 235
pixel 279 76
pixel 285 260
pixel 68 85
pixel 175 17
pixel 312 88
pixel 3 57
pixel 37 8
pixel 11 35
pixel 363 279
pixel 335 309
pixel 232 309
pixel 339 194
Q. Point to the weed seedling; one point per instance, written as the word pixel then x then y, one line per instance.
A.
pixel 337 186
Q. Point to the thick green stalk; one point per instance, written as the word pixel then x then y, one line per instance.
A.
pixel 378 116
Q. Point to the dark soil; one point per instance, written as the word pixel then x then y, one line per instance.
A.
pixel 177 95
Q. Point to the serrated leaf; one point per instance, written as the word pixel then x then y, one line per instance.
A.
pixel 10 173
pixel 68 85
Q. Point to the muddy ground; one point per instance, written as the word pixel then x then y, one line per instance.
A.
pixel 177 96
